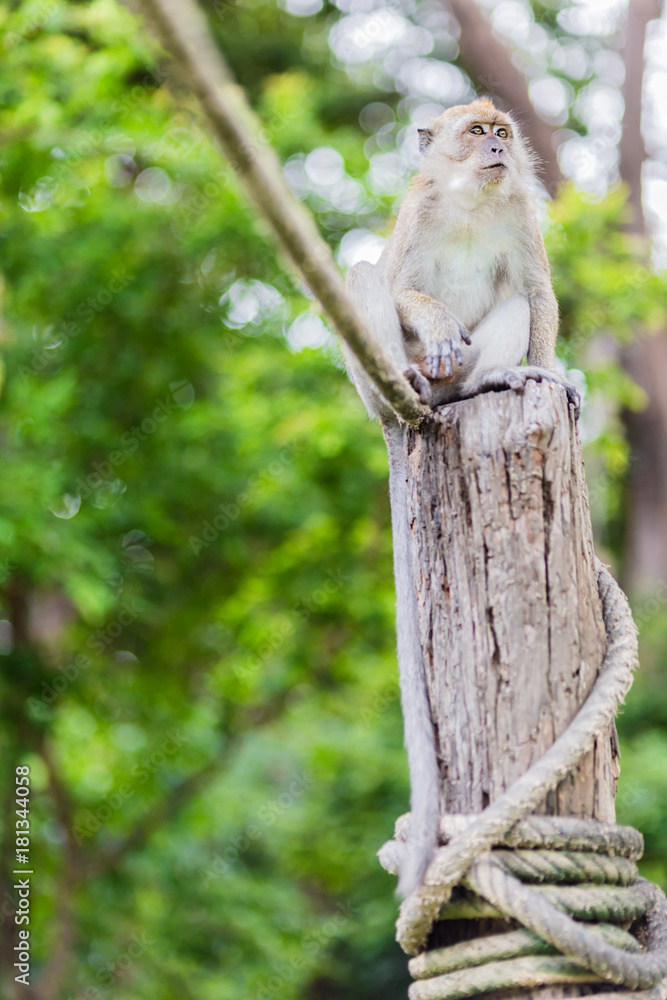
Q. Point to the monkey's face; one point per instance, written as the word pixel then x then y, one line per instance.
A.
pixel 489 146
pixel 474 146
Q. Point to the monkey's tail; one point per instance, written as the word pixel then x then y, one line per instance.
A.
pixel 417 720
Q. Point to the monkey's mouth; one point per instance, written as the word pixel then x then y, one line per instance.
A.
pixel 492 166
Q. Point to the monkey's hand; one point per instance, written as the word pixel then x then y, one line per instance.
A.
pixel 516 378
pixel 441 356
pixel 435 336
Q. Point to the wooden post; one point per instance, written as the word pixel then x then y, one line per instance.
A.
pixel 509 612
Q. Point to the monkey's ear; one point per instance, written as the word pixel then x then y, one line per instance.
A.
pixel 425 138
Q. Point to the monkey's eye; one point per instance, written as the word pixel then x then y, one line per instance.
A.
pixel 477 130
pixel 502 133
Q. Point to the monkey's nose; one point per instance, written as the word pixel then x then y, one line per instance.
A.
pixel 498 150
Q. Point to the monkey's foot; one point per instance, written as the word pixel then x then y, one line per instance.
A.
pixel 516 379
pixel 419 383
pixel 544 375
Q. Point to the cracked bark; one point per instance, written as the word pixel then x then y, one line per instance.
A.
pixel 509 612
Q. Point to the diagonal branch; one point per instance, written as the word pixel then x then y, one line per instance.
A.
pixel 183 30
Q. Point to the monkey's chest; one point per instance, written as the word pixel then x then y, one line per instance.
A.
pixel 470 277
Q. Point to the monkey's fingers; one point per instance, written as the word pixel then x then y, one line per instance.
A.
pixel 443 354
pixel 515 381
pixel 507 378
pixel 433 359
pixel 574 398
pixel 497 379
pixel 572 394
pixel 447 349
pixel 465 336
pixel 419 383
pixel 435 355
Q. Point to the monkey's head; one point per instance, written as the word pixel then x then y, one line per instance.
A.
pixel 482 142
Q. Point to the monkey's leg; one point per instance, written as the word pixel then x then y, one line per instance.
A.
pixel 372 298
pixel 417 720
pixel 499 340
pixel 503 338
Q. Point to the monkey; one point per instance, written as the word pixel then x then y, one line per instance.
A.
pixel 460 296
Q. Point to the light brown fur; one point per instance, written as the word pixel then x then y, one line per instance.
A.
pixel 467 240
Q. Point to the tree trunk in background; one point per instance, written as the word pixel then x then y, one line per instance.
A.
pixel 487 61
pixel 632 149
pixel 646 540
pixel 646 359
pixel 509 610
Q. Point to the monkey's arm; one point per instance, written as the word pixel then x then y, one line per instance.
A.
pixel 542 344
pixel 543 306
pixel 543 326
pixel 435 334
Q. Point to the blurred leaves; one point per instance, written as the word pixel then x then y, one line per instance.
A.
pixel 195 536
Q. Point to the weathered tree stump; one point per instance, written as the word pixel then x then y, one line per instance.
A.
pixel 509 612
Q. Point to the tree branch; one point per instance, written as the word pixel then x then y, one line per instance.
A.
pixel 490 65
pixel 646 358
pixel 183 30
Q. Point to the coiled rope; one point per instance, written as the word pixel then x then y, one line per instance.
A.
pixel 496 865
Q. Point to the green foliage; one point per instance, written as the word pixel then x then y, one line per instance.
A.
pixel 193 572
pixel 600 274
pixel 606 294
